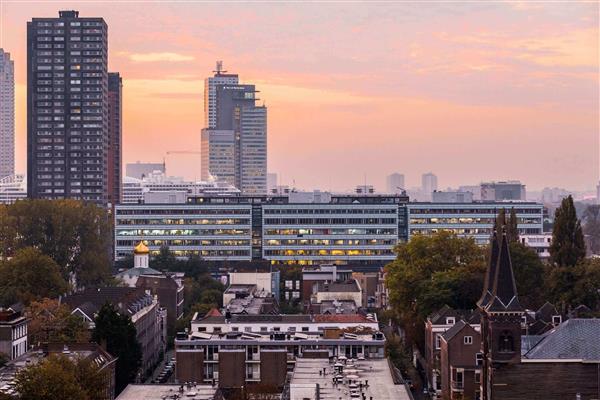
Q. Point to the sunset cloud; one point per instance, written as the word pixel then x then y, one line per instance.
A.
pixel 359 89
pixel 158 57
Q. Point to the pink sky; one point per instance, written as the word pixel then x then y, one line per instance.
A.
pixel 469 91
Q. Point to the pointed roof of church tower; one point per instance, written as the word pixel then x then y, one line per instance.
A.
pixel 486 296
pixel 503 289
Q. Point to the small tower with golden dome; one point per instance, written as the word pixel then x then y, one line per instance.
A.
pixel 141 256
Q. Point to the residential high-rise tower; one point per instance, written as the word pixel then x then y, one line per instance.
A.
pixel 7 115
pixel 67 108
pixel 395 183
pixel 115 136
pixel 429 183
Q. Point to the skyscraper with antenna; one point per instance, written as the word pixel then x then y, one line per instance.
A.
pixel 221 77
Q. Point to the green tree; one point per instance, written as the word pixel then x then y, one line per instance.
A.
pixel 30 275
pixel 529 275
pixel 57 377
pixel 51 321
pixel 567 247
pixel 212 296
pixel 591 227
pixel 430 271
pixel 119 334
pixel 572 286
pixel 75 234
pixel 164 260
pixel 512 227
pixel 500 221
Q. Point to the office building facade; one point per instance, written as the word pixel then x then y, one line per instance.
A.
pixel 210 93
pixel 115 136
pixel 348 229
pixel 140 170
pixel 7 115
pixel 67 108
pixel 345 229
pixel 505 190
pixel 234 142
pixel 475 219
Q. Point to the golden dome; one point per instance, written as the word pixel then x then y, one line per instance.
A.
pixel 141 248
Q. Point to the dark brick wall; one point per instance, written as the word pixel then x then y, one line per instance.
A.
pixel 232 368
pixel 545 380
pixel 189 366
pixel 273 367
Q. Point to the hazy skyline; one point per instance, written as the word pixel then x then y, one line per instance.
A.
pixel 468 91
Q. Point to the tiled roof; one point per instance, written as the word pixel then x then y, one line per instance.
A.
pixel 457 327
pixel 574 339
pixel 124 298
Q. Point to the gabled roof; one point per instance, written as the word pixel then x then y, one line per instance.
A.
pixel 575 339
pixel 456 328
pixel 439 317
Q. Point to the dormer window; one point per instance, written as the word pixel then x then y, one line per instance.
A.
pixel 450 320
pixel 556 320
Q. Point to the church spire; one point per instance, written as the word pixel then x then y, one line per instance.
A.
pixel 486 296
pixel 502 288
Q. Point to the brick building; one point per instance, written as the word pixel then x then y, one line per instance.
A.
pixel 562 363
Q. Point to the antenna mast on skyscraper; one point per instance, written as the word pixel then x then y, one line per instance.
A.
pixel 219 69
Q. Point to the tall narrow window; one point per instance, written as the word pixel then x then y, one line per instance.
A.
pixel 507 343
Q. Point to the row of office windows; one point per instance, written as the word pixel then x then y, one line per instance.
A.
pixel 330 242
pixel 468 220
pixel 330 221
pixel 181 232
pixel 185 242
pixel 333 231
pixel 489 211
pixel 187 221
pixel 331 211
pixel 333 252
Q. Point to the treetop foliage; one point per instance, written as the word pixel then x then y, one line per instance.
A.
pixel 120 336
pixel 75 234
pixel 568 246
pixel 58 377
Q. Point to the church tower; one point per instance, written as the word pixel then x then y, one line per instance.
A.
pixel 501 315
pixel 141 256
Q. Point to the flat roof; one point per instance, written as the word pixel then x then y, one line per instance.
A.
pixel 375 372
pixel 159 392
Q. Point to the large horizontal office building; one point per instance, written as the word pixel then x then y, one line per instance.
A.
pixel 344 229
pixel 475 219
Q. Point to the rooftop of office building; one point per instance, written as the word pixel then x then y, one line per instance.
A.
pixel 356 334
pixel 372 378
pixel 169 391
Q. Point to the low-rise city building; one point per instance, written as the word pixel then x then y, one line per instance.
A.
pixel 185 390
pixel 167 287
pixel 141 307
pixel 13 188
pixel 234 359
pixel 284 323
pixel 13 333
pixel 325 379
pixel 540 243
pixel 104 361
